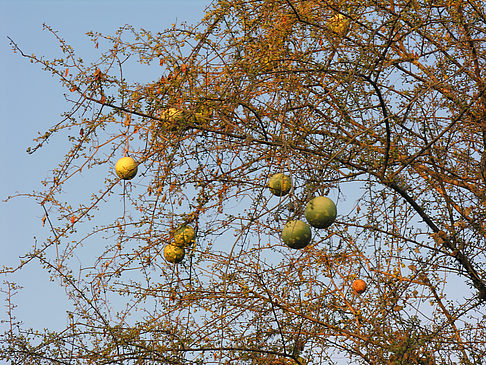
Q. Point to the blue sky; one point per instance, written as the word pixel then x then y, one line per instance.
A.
pixel 31 101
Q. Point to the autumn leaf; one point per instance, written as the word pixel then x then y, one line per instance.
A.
pixel 127 120
pixel 97 74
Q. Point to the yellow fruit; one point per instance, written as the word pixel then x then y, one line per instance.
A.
pixel 174 254
pixel 280 184
pixel 172 115
pixel 320 212
pixel 296 234
pixel 359 286
pixel 126 168
pixel 184 236
pixel 339 24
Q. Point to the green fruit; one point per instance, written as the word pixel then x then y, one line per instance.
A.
pixel 320 212
pixel 296 234
pixel 174 254
pixel 126 168
pixel 184 236
pixel 203 115
pixel 280 184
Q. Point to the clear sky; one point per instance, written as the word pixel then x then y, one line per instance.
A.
pixel 31 101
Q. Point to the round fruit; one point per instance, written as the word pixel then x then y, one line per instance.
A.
pixel 339 24
pixel 126 168
pixel 204 115
pixel 359 286
pixel 184 236
pixel 280 184
pixel 174 254
pixel 320 212
pixel 172 115
pixel 296 234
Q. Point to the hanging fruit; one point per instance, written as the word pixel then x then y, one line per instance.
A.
pixel 184 236
pixel 339 24
pixel 359 286
pixel 174 254
pixel 320 212
pixel 296 234
pixel 126 168
pixel 172 115
pixel 280 184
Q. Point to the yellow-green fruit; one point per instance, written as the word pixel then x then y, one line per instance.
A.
pixel 184 236
pixel 280 184
pixel 126 168
pixel 320 212
pixel 339 24
pixel 172 115
pixel 204 115
pixel 296 234
pixel 174 254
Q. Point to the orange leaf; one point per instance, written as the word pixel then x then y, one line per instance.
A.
pixel 97 74
pixel 73 219
pixel 126 123
pixel 44 220
pixel 66 73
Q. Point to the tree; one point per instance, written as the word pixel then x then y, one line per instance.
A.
pixel 379 105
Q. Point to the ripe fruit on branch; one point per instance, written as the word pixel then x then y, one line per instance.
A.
pixel 280 184
pixel 203 115
pixel 184 236
pixel 172 115
pixel 339 24
pixel 173 253
pixel 359 286
pixel 320 212
pixel 296 234
pixel 126 168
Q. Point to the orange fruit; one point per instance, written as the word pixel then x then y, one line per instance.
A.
pixel 359 286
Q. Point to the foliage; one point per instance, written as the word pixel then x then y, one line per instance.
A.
pixel 385 114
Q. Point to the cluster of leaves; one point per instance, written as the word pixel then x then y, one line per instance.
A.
pixel 384 113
